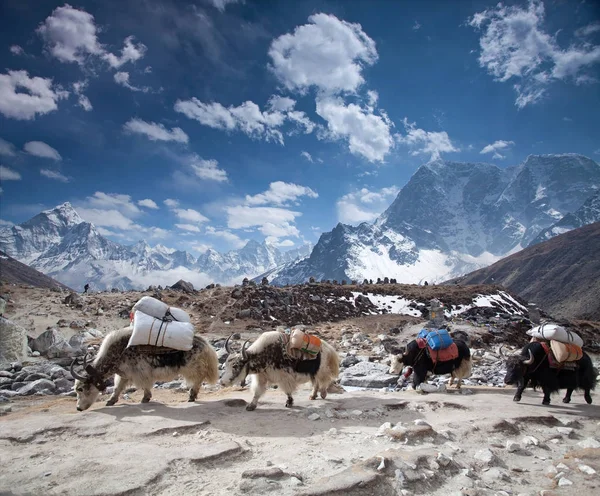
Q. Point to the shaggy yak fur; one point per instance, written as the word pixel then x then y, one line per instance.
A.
pixel 133 366
pixel 267 361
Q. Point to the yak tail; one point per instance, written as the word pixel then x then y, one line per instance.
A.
pixel 211 364
pixel 464 370
pixel 333 359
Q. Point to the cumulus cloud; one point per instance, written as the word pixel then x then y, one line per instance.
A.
pixel 280 193
pixel 327 53
pixel 83 101
pixel 247 117
pixel 6 148
pixel 41 149
pixel 207 169
pixel 496 147
pixel 7 174
pixel 233 239
pixel 17 50
pixel 122 78
pixel 514 46
pixel 222 4
pixel 23 98
pixel 155 132
pixel 55 175
pixel 188 227
pixel 5 223
pixel 190 215
pixel 426 142
pixel 243 216
pixel 171 203
pixel 368 134
pixel 71 35
pixel 120 203
pixel 364 205
pixel 148 203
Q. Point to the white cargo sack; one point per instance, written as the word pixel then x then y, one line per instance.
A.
pixel 158 309
pixel 554 332
pixel 149 331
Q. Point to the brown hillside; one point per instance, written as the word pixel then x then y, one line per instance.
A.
pixel 562 275
pixel 15 272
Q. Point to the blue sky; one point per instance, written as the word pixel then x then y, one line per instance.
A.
pixel 208 123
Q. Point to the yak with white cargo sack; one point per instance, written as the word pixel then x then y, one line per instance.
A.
pixel 157 325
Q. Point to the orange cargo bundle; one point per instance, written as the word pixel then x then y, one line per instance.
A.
pixel 565 352
pixel 449 353
pixel 305 342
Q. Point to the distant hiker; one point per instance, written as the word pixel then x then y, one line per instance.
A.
pixel 426 283
pixel 85 288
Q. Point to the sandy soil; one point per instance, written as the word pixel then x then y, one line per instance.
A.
pixel 212 447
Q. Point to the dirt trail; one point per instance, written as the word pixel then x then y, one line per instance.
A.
pixel 215 447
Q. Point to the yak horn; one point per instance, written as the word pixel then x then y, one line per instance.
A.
pixel 75 374
pixel 227 347
pixel 244 354
pixel 529 361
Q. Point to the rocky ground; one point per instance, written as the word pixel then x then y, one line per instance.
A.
pixel 385 440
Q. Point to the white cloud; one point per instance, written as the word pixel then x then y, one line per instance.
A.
pixel 70 35
pixel 281 103
pixel 57 176
pixel 17 50
pixel 416 26
pixel 107 218
pixel 302 120
pixel 368 134
pixel 169 202
pixel 131 52
pixel 83 101
pixel 155 132
pixel 148 203
pixel 515 45
pixel 6 148
pixel 496 147
pixel 188 227
pixel 41 149
pixel 426 142
pixel 122 78
pixel 327 53
pixel 286 243
pixel 36 95
pixel 280 193
pixel 189 215
pixel 5 223
pixel 242 216
pixel 200 247
pixel 307 156
pixel 112 201
pixel 207 169
pixel 222 4
pixel 588 30
pixel 364 205
pixel 233 239
pixel 279 230
pixel 7 174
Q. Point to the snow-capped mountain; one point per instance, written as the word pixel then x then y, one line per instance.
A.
pixel 59 243
pixel 588 213
pixel 452 218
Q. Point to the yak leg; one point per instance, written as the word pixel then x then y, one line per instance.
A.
pixel 567 398
pixel 458 381
pixel 546 400
pixel 147 395
pixel 323 392
pixel 120 385
pixel 522 384
pixel 588 397
pixel 193 394
pixel 315 389
pixel 259 386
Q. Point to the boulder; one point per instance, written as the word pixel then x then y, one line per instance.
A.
pixel 73 299
pixel 181 285
pixel 38 386
pixel 13 342
pixel 368 375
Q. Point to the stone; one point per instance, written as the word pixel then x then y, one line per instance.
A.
pixel 443 460
pixel 267 473
pixel 563 482
pixel 485 456
pixel 181 285
pixel 589 443
pixel 63 385
pixel 314 416
pixel 259 486
pixel 13 341
pixel 512 446
pixel 78 324
pixel 530 441
pixel 38 386
pixel 565 431
pixel 367 375
pixel 586 469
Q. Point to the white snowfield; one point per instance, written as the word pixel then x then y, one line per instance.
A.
pixel 396 304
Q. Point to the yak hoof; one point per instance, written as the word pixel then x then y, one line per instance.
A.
pixel 312 397
pixel 191 400
pixel 290 402
pixel 323 394
pixel 145 400
pixel 588 398
pixel 546 402
pixel 250 407
pixel 517 398
pixel 566 400
pixel 111 402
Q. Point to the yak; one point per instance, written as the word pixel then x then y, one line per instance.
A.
pixel 532 365
pixel 134 366
pixel 267 361
pixel 418 358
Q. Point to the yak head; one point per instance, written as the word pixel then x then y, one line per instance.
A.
pixel 87 386
pixel 407 356
pixel 516 366
pixel 236 365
